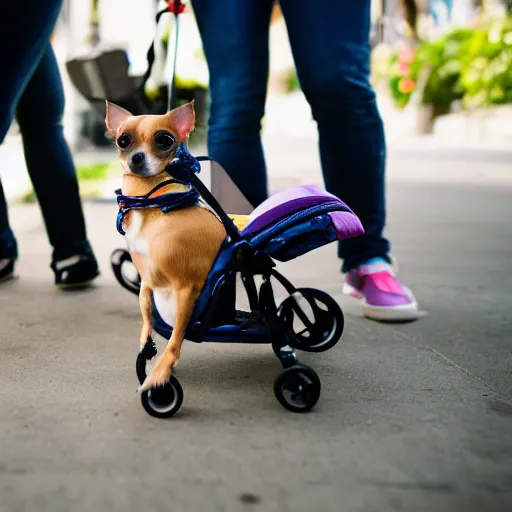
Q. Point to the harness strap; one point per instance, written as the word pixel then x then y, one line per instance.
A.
pixel 166 202
pixel 163 184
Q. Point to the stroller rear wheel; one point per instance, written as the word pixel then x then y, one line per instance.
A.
pixel 297 388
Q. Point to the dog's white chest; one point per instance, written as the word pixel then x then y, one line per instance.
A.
pixel 166 306
pixel 134 239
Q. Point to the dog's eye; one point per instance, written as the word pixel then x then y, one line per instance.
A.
pixel 164 140
pixel 124 140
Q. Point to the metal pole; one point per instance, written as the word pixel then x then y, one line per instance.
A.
pixel 171 99
pixel 176 7
pixel 382 13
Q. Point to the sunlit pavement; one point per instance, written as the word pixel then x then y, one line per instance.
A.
pixel 412 417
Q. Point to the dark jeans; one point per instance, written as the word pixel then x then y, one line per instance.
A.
pixel 329 41
pixel 31 89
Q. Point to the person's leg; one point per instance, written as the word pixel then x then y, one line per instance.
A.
pixel 25 47
pixel 8 246
pixel 330 44
pixel 39 114
pixel 235 39
pixel 49 162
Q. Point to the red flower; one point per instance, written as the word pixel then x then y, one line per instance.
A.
pixel 175 6
pixel 406 85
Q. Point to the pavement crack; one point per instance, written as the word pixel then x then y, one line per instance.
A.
pixel 505 399
pixel 407 337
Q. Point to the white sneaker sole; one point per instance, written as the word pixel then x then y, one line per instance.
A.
pixel 404 313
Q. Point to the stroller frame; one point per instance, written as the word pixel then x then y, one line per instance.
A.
pixel 297 387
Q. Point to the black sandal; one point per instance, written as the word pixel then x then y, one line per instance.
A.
pixel 76 271
pixel 6 269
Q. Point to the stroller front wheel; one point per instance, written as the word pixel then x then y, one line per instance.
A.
pixel 164 401
pixel 297 388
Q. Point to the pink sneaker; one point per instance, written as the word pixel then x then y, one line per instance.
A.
pixel 382 297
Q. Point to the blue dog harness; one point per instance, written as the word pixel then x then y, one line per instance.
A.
pixel 183 166
pixel 166 202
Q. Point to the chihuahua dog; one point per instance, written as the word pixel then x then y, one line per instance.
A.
pixel 173 252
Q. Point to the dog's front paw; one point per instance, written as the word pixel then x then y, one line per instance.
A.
pixel 160 375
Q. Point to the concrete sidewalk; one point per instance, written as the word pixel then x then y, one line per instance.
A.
pixel 413 417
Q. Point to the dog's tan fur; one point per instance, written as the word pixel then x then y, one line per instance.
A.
pixel 173 252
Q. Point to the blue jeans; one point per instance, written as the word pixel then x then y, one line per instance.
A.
pixel 31 89
pixel 330 46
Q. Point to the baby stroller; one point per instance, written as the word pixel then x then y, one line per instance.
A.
pixel 286 226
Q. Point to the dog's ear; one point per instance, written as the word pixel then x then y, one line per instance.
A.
pixel 183 120
pixel 115 117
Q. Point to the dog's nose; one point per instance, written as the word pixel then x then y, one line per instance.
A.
pixel 138 159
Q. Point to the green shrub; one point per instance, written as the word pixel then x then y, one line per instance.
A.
pixel 487 74
pixel 28 197
pixel 92 172
pixel 292 82
pixel 469 64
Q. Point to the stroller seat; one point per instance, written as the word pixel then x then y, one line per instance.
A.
pixel 298 220
pixel 287 225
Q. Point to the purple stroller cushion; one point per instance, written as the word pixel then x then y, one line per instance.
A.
pixel 301 198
